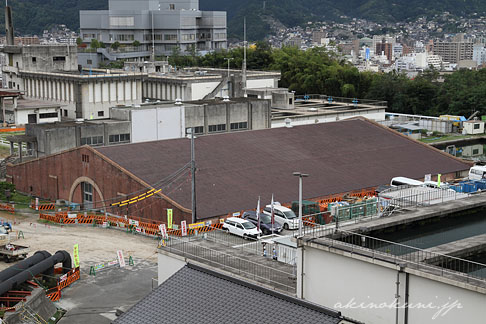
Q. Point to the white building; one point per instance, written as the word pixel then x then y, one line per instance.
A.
pixel 479 54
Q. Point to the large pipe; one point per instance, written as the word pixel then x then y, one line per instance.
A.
pixel 9 31
pixel 23 265
pixel 46 266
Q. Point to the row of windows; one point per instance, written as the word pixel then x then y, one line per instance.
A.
pixel 121 138
pixel 219 35
pixel 48 115
pixel 188 37
pixel 198 130
pixel 94 140
pixel 122 37
pixel 170 37
pixel 236 126
pixel 217 128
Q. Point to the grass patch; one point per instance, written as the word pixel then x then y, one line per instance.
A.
pixel 19 199
pixel 437 139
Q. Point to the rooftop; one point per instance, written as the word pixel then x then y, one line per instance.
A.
pixel 198 295
pixel 233 169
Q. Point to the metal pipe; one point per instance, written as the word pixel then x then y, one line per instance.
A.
pixel 23 265
pixel 45 267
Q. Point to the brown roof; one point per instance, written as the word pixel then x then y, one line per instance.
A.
pixel 233 169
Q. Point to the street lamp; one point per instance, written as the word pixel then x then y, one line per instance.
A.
pixel 228 81
pixel 300 175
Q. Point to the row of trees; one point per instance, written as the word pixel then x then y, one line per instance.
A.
pixel 318 71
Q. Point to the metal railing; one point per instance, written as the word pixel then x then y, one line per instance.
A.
pixel 249 245
pixel 409 196
pixel 404 255
pixel 278 279
pixel 351 101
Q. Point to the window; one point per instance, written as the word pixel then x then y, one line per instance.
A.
pixel 171 6
pixel 59 59
pixel 188 37
pixel 219 35
pixel 48 115
pixel 217 128
pixel 170 37
pixel 197 130
pixel 85 158
pixel 119 138
pixel 237 126
pixel 125 37
pixel 157 37
pixel 475 151
pixel 65 113
pixel 476 126
pixel 34 59
pixel 290 101
pixel 89 36
pixel 90 62
pixel 122 21
pixel 93 140
pixel 101 113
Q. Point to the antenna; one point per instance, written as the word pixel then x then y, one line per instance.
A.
pixel 244 58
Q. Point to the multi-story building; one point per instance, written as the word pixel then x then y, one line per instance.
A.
pixel 453 52
pixel 479 54
pixel 159 26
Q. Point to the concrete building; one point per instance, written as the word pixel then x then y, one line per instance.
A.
pixel 150 121
pixel 233 169
pixel 165 25
pixel 453 52
pixel 479 54
pixel 473 127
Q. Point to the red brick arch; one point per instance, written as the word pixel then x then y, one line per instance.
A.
pixel 78 181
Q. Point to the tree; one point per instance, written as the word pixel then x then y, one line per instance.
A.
pixel 94 44
pixel 79 41
pixel 115 45
pixel 136 43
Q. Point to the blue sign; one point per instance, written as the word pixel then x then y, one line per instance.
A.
pixel 355 101
pixel 306 98
pixel 367 55
pixel 329 99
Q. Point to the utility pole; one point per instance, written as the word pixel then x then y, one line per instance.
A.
pixel 300 175
pixel 193 176
pixel 244 59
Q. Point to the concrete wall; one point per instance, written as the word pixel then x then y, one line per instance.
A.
pixel 343 282
pixel 201 89
pixel 22 115
pixel 168 265
pixel 53 176
pixel 375 114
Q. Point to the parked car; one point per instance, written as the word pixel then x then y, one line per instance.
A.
pixel 241 227
pixel 265 222
pixel 283 215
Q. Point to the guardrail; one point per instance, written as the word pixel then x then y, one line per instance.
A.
pixel 403 255
pixel 351 101
pixel 409 196
pixel 252 270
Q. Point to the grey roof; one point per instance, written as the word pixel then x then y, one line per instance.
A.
pixel 197 295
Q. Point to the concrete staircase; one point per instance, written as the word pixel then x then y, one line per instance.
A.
pixel 3 165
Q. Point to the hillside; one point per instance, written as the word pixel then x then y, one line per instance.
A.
pixel 33 16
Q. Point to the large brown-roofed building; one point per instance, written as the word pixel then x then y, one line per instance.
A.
pixel 233 169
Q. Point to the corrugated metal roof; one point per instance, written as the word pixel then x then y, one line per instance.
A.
pixel 194 295
pixel 233 169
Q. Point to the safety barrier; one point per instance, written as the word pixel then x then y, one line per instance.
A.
pixel 54 294
pixel 193 231
pixel 102 220
pixel 7 207
pixel 48 206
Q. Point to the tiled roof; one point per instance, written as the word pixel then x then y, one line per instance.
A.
pixel 233 169
pixel 196 295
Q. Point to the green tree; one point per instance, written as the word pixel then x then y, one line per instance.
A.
pixel 94 44
pixel 115 45
pixel 79 41
pixel 136 43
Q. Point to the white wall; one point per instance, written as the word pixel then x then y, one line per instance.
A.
pixel 260 83
pixel 201 89
pixel 22 116
pixel 335 280
pixel 158 124
pixel 167 266
pixel 376 115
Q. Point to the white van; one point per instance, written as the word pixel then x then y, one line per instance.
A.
pixel 477 172
pixel 283 215
pixel 401 181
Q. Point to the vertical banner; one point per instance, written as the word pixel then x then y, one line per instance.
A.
pixel 438 180
pixel 169 218
pixel 121 259
pixel 36 203
pixel 183 228
pixel 76 255
pixel 428 177
pixel 163 230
